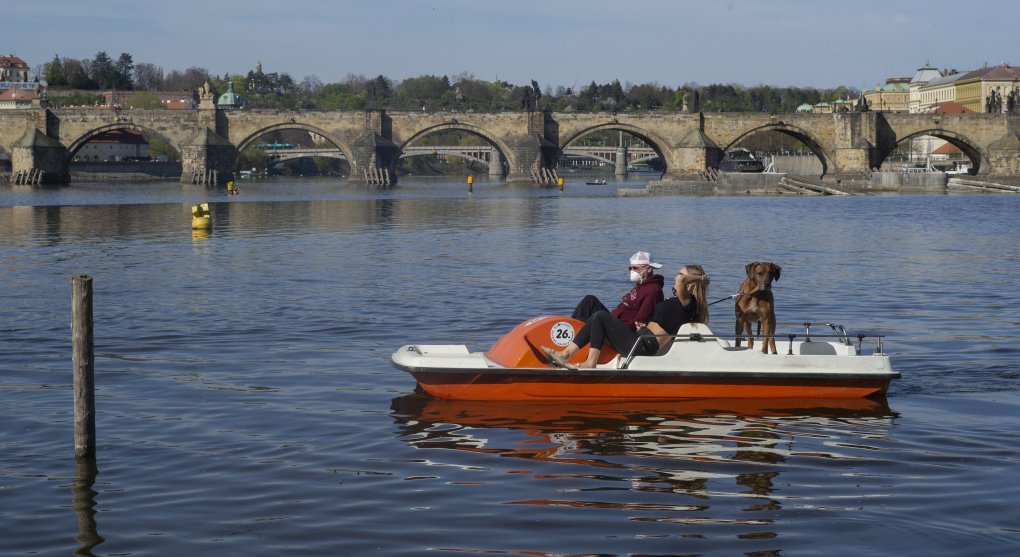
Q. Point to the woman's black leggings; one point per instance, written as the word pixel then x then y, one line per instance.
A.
pixel 602 327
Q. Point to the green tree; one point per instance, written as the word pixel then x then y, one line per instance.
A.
pixel 102 71
pixel 123 70
pixel 160 147
pixel 76 74
pixel 424 91
pixel 339 96
pixel 252 157
pixel 53 73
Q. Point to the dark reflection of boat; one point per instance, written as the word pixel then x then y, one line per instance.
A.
pixel 560 421
pixel 740 160
pixel 695 447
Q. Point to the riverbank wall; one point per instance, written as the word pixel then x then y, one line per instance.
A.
pixel 781 183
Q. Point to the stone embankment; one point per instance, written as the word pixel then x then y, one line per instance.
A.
pixel 775 184
pixel 1001 184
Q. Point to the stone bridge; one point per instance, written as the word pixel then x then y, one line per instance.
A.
pixel 524 144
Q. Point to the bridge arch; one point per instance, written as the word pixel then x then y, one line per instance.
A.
pixel 969 147
pixel 652 140
pixel 795 132
pixel 91 134
pixel 250 139
pixel 506 153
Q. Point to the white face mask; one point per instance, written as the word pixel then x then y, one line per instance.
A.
pixel 635 276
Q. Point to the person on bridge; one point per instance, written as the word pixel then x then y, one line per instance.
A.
pixel 689 306
pixel 637 304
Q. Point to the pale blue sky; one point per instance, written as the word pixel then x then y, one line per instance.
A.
pixel 778 42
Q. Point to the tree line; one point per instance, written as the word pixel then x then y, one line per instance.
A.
pixel 426 92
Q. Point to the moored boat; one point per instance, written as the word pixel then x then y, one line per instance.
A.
pixel 697 364
pixel 740 160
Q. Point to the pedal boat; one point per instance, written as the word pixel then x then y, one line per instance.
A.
pixel 697 364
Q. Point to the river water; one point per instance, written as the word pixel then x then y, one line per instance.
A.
pixel 247 406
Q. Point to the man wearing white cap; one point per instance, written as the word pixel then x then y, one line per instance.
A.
pixel 637 305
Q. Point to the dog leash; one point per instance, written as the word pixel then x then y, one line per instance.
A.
pixel 730 297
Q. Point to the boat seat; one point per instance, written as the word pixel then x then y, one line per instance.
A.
pixel 817 349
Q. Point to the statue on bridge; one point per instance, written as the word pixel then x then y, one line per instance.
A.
pixel 531 96
pixel 206 96
pixel 692 106
pixel 862 104
pixel 993 104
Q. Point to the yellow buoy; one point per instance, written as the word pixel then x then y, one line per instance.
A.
pixel 200 218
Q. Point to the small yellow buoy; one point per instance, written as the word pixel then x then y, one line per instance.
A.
pixel 200 218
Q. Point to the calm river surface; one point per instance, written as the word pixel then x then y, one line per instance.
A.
pixel 247 406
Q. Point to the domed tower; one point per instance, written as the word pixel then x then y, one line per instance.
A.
pixel 230 99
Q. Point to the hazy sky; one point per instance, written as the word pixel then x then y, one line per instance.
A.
pixel 817 43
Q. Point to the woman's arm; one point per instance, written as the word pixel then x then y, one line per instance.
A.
pixel 682 293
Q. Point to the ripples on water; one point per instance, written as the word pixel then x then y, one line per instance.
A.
pixel 247 405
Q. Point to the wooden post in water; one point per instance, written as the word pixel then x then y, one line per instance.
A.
pixel 83 361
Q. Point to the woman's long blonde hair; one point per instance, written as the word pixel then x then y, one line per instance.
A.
pixel 700 292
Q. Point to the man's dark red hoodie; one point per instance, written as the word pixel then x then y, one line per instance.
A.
pixel 638 304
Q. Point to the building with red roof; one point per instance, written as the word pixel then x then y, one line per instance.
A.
pixel 16 98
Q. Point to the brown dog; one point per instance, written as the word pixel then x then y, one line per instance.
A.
pixel 755 304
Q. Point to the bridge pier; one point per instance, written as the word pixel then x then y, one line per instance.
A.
pixel 621 161
pixel 1003 156
pixel 532 160
pixel 495 164
pixel 207 159
pixel 693 158
pixel 853 163
pixel 374 160
pixel 39 159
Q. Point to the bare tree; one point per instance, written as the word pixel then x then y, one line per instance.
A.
pixel 192 78
pixel 311 84
pixel 148 77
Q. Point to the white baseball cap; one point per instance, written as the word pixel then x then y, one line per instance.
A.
pixel 643 258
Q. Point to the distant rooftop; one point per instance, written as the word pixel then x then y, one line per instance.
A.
pixel 925 74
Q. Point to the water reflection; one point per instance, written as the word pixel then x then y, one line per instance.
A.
pixel 712 451
pixel 53 224
pixel 83 500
